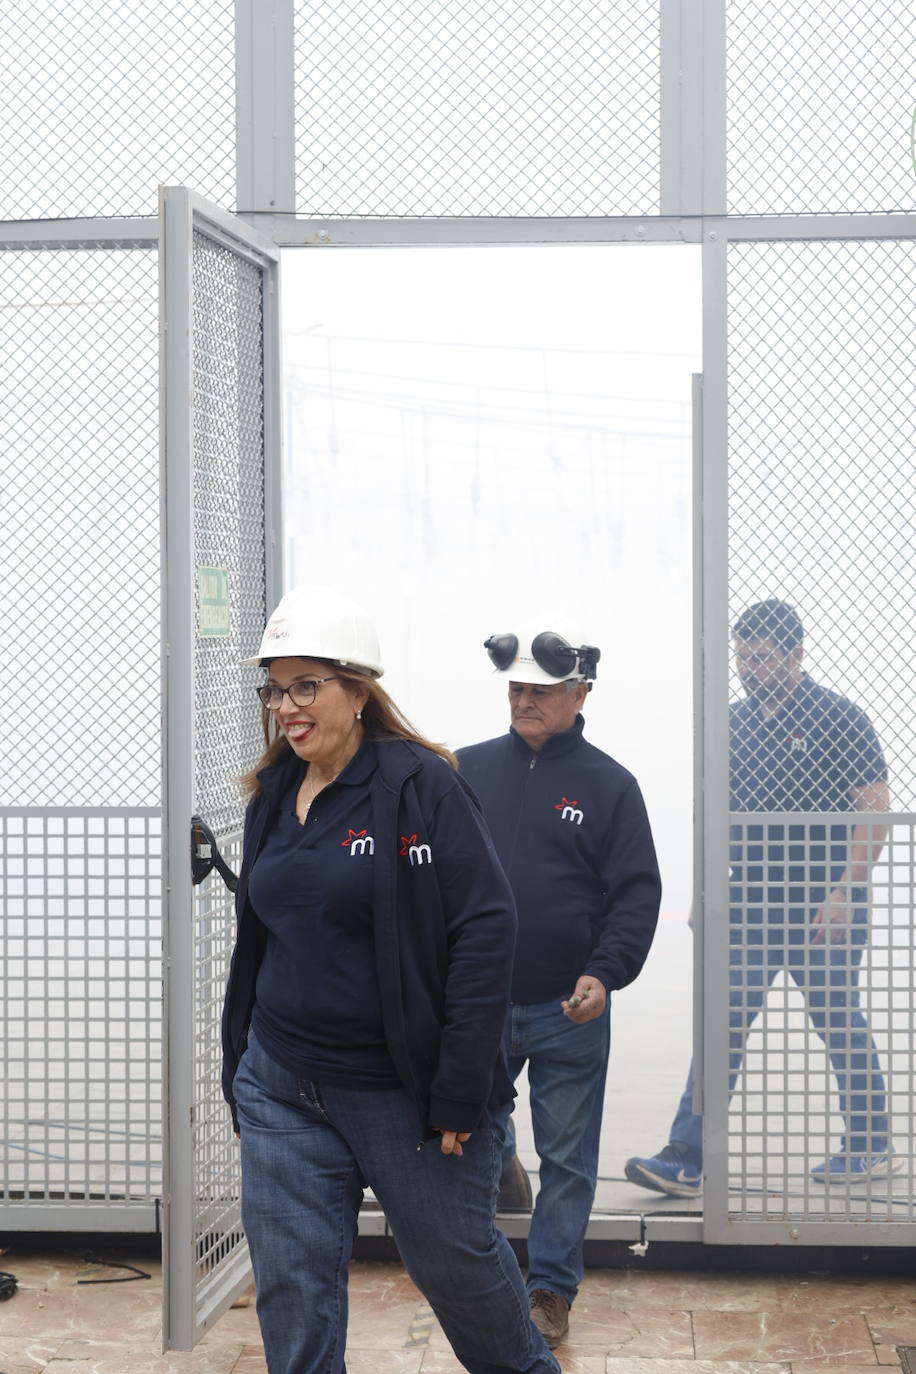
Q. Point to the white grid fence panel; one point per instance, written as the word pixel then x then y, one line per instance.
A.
pixel 825 1022
pixel 822 514
pixel 81 1008
pixel 80 827
pixel 477 108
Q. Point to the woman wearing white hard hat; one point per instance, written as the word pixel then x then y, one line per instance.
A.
pixel 365 1005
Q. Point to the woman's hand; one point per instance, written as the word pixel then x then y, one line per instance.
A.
pixel 452 1141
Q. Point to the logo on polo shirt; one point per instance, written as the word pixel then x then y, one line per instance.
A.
pixel 570 810
pixel 798 743
pixel 416 853
pixel 358 842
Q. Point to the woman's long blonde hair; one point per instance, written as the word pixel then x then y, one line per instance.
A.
pixel 381 720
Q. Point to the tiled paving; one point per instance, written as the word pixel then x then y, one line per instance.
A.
pixel 624 1322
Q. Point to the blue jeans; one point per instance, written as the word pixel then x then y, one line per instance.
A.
pixel 567 1067
pixel 307 1153
pixel 828 978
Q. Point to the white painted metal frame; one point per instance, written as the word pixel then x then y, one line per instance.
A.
pixel 692 205
pixel 78 880
pixel 712 969
pixel 194 1293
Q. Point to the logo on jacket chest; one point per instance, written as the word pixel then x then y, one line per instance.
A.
pixel 358 842
pixel 415 853
pixel 361 842
pixel 569 810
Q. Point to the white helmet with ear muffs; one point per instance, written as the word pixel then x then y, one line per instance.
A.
pixel 542 655
pixel 316 622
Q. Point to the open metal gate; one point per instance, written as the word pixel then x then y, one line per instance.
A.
pixel 808 486
pixel 220 572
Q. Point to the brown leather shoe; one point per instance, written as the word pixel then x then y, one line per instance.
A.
pixel 514 1188
pixel 550 1314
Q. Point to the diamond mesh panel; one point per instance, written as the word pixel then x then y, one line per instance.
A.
pixel 229 534
pixel 100 103
pixel 822 491
pixel 217 1230
pixel 822 515
pixel 228 517
pixel 820 101
pixel 477 109
pixel 79 568
pixel 80 1003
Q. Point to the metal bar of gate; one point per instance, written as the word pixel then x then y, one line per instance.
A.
pixel 205 251
pixel 779 412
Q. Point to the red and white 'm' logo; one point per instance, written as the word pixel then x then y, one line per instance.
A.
pixel 358 842
pixel 570 810
pixel 415 853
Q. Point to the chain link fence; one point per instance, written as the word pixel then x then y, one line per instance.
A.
pixel 228 484
pixel 475 109
pixel 228 479
pixel 100 103
pixel 822 516
pixel 820 107
pixel 79 570
pixel 80 975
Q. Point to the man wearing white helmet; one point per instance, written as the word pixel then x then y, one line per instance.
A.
pixel 571 831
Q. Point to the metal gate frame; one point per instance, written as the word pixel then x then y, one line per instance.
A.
pixel 711 972
pixel 205 1255
pixel 691 209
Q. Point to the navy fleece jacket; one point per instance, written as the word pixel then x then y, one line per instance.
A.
pixel 444 933
pixel 571 831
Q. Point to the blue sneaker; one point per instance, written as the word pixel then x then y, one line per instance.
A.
pixel 856 1168
pixel 667 1172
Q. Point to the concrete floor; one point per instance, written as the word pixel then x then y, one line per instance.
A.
pixel 624 1322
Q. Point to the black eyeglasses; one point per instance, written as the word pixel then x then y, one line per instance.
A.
pixel 300 693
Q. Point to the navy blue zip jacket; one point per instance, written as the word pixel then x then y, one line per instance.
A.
pixel 570 828
pixel 444 923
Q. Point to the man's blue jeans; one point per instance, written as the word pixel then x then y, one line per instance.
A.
pixel 567 1067
pixel 307 1154
pixel 828 978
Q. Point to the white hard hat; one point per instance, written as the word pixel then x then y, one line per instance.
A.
pixel 316 622
pixel 539 654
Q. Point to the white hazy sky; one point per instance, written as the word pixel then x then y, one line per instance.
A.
pixel 478 436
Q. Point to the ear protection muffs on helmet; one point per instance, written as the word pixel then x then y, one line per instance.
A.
pixel 550 651
pixel 502 650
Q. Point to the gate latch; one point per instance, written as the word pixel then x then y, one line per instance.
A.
pixel 205 855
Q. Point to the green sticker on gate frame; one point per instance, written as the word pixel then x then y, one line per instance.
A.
pixel 213 603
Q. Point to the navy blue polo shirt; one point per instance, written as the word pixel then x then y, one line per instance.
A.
pixel 810 756
pixel 317 1001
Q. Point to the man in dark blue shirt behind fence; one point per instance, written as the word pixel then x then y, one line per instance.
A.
pixel 571 831
pixel 798 894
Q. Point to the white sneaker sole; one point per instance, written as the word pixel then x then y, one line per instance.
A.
pixel 890 1166
pixel 667 1185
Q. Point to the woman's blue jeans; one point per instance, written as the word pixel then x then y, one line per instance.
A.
pixel 828 977
pixel 307 1154
pixel 567 1068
